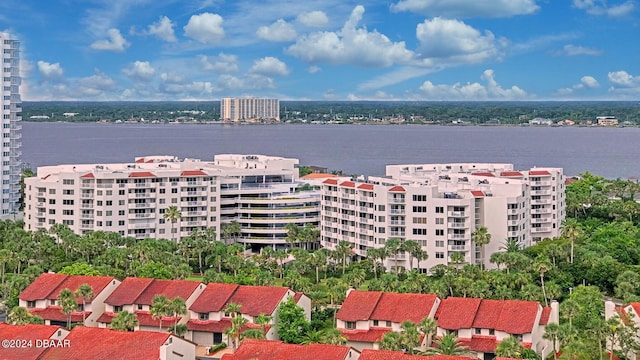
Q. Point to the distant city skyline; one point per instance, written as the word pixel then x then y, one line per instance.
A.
pixel 498 50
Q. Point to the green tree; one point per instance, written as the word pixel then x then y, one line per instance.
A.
pixel 448 345
pixel 294 233
pixel 376 254
pixel 176 308
pixel 231 231
pixel 342 252
pixel 394 246
pixel 510 348
pixel 551 333
pixel 85 292
pixel 22 316
pixel 542 265
pixel 160 306
pixel 292 325
pixel 481 237
pixel 428 327
pixel 172 214
pixel 572 230
pixel 124 321
pixel 68 304
pixel 79 268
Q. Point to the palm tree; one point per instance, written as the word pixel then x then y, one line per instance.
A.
pixel 159 308
pixel 233 309
pixel 571 229
pixel 22 316
pixel 177 307
pixel 294 233
pixel 253 334
pixel 342 251
pixel 263 320
pixel 233 332
pixel 411 247
pixel 374 254
pixel 317 259
pixel 428 327
pixel 391 341
pixel 447 345
pixel 551 333
pixel 509 347
pixel 86 293
pixel 172 214
pixel 410 337
pixel 542 265
pixel 124 321
pixel 355 278
pixel 231 231
pixel 333 337
pixel 68 304
pixel 457 257
pixel 394 246
pixel 481 237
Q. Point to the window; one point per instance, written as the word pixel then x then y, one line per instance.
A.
pixel 492 332
pixel 52 302
pixel 439 255
pixel 117 309
pixel 477 331
pixel 121 202
pixel 439 221
pixel 439 232
pixel 419 231
pixel 419 197
pixel 381 208
pixel 203 316
pixel 67 202
pixel 350 325
pixel 31 304
pixel 419 220
pixel 439 243
pixel 388 323
pixel 174 191
pixel 381 230
pixel 419 209
pixel 67 192
pixel 162 191
pixel 439 209
pixel 381 219
pixel 109 202
pixel 67 181
pixel 120 192
pixel 121 212
pixel 140 307
pixel 375 323
pixel 66 212
pixel 121 223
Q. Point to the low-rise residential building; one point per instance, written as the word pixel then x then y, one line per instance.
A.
pixel 369 354
pixel 32 340
pixel 135 295
pixel 95 343
pixel 208 320
pixel 440 206
pixel 41 297
pixel 251 349
pixel 481 324
pixel 257 191
pixel 607 120
pixel 365 316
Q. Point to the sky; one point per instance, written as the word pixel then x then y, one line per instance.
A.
pixel 436 50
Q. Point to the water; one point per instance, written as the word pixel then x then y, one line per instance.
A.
pixel 355 149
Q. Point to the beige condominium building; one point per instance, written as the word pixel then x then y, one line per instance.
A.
pixel 257 191
pixel 440 206
pixel 242 109
pixel 11 128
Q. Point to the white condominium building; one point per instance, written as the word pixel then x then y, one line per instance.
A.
pixel 440 206
pixel 11 117
pixel 257 191
pixel 238 109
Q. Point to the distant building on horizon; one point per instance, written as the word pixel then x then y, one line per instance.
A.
pixel 11 116
pixel 243 109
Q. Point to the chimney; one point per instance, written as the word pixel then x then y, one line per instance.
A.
pixel 554 316
pixel 609 309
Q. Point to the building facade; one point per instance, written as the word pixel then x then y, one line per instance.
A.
pixel 440 206
pixel 257 191
pixel 242 109
pixel 11 117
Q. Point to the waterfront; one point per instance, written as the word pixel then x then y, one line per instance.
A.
pixel 361 149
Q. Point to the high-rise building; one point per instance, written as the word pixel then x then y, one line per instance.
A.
pixel 440 206
pixel 11 117
pixel 241 109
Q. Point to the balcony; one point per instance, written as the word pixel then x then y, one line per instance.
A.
pixel 145 205
pixel 540 229
pixel 540 183
pixel 541 192
pixel 541 211
pixel 147 225
pixel 86 206
pixel 458 236
pixel 86 216
pixel 457 225
pixel 397 211
pixel 88 195
pixel 457 214
pixel 397 222
pixel 540 220
pixel 396 200
pixel 141 216
pixel 457 248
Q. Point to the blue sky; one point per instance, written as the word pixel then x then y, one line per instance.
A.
pixel 327 49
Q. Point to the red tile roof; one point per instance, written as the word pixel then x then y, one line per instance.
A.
pixel 218 326
pixel 214 298
pixel 368 354
pixel 137 174
pixel 128 291
pixel 193 173
pixel 397 189
pixel 55 313
pixel 401 307
pixel 477 193
pixel 365 187
pixel 331 182
pixel 87 176
pixel 317 176
pixel 487 314
pixel 457 313
pixel 140 160
pixel 97 283
pixel 511 174
pixel 256 300
pixel 146 319
pixel 373 335
pixel 168 288
pixel 359 305
pixel 105 344
pixel 348 184
pixel 518 316
pixel 539 173
pixel 636 307
pixel 251 349
pixel 25 332
pixel 42 287
pixel 480 343
pixel 544 318
pixel 483 173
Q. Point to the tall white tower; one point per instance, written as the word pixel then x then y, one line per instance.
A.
pixel 11 128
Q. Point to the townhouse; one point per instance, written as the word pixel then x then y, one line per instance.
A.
pixel 208 319
pixel 365 316
pixel 135 295
pixel 481 324
pixel 369 354
pixel 251 349
pixel 440 206
pixel 31 336
pixel 41 297
pixel 257 191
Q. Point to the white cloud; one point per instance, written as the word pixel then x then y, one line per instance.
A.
pixel 269 66
pixel 249 82
pixel 163 29
pixel 600 7
pixel 468 9
pixel 574 50
pixel 589 82
pixel 222 63
pixel 172 78
pixel 94 86
pixel 351 45
pixel 313 69
pixel 50 71
pixel 115 42
pixel 471 91
pixel 455 40
pixel 313 18
pixel 278 31
pixel 623 79
pixel 205 28
pixel 140 71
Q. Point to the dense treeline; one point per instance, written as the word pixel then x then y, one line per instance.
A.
pixel 432 112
